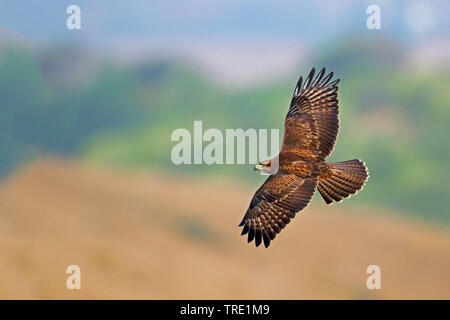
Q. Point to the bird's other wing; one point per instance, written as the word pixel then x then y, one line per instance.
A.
pixel 312 123
pixel 274 205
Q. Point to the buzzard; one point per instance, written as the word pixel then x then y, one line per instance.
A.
pixel 310 131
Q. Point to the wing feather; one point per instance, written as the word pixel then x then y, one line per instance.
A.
pixel 274 205
pixel 312 120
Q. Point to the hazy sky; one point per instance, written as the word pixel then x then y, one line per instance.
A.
pixel 162 22
pixel 234 39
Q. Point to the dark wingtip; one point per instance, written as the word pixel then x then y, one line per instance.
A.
pixel 326 79
pixel 310 77
pixel 318 77
pixel 298 87
pixel 334 83
pixel 266 240
pixel 315 80
pixel 244 230
pixel 251 235
pixel 258 238
pixel 257 235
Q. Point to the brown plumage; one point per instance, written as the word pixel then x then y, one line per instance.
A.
pixel 310 131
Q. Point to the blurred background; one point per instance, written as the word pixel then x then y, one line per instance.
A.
pixel 86 176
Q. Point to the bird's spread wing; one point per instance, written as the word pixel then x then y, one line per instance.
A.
pixel 312 124
pixel 274 205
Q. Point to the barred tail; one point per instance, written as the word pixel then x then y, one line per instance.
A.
pixel 341 179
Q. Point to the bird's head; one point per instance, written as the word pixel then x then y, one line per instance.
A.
pixel 268 166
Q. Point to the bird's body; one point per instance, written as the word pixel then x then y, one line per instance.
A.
pixel 310 132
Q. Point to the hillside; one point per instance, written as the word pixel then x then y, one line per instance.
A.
pixel 71 102
pixel 151 236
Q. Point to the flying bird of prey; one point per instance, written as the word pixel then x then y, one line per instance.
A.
pixel 310 131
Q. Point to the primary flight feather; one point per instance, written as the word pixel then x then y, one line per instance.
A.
pixel 310 131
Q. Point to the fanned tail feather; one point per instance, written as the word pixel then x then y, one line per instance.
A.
pixel 341 179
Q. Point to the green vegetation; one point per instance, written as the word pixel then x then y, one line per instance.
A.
pixel 37 118
pixel 392 118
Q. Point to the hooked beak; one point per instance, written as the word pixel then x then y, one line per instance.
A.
pixel 257 167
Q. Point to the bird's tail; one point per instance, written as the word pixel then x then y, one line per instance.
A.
pixel 341 179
